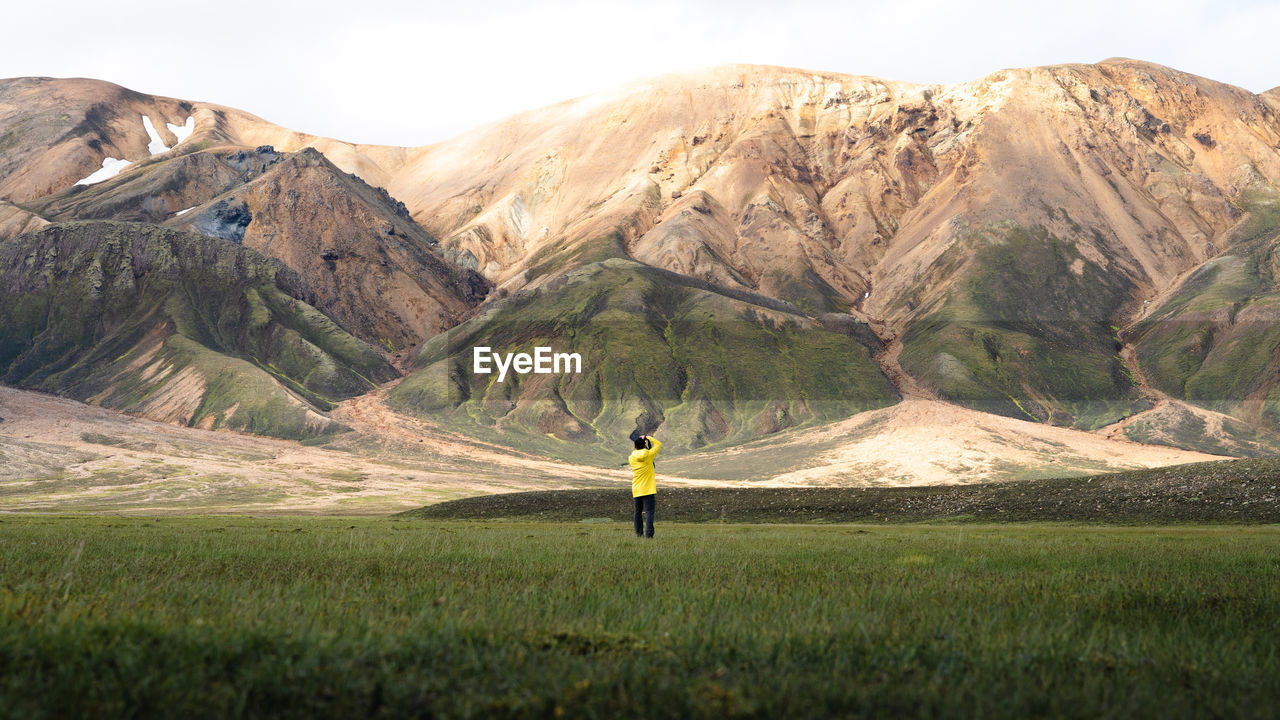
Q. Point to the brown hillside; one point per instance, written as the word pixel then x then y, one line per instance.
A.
pixel 741 172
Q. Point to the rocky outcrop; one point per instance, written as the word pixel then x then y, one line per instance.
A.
pixel 223 219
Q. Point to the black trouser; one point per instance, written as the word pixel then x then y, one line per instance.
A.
pixel 644 505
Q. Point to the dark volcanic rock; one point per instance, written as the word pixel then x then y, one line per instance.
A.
pixel 225 220
pixel 254 162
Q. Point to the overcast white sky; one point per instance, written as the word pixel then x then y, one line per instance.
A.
pixel 411 73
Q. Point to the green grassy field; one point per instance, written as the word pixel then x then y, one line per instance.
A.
pixel 222 616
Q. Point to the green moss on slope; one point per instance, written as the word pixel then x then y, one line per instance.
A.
pixel 115 312
pixel 1026 334
pixel 1216 341
pixel 658 351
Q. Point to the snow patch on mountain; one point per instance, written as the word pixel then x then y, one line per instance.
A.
pixel 156 146
pixel 111 167
pixel 183 131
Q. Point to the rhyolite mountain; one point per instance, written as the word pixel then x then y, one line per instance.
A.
pixel 176 326
pixel 747 249
pixel 1003 237
pixel 374 269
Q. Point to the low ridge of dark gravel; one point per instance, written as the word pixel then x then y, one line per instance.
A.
pixel 1238 491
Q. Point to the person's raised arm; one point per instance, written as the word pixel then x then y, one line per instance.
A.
pixel 653 451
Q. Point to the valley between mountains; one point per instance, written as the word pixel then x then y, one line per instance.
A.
pixel 792 277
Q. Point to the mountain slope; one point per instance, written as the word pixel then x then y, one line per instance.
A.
pixel 15 220
pixel 174 326
pixel 55 132
pixel 1214 340
pixel 658 350
pixel 1003 229
pixel 374 269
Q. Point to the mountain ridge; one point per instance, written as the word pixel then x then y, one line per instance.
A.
pixel 175 326
pixel 1005 236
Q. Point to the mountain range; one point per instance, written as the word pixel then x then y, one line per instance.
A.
pixel 735 253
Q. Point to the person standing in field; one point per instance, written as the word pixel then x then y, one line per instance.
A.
pixel 644 487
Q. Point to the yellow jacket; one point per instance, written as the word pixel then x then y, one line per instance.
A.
pixel 641 462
